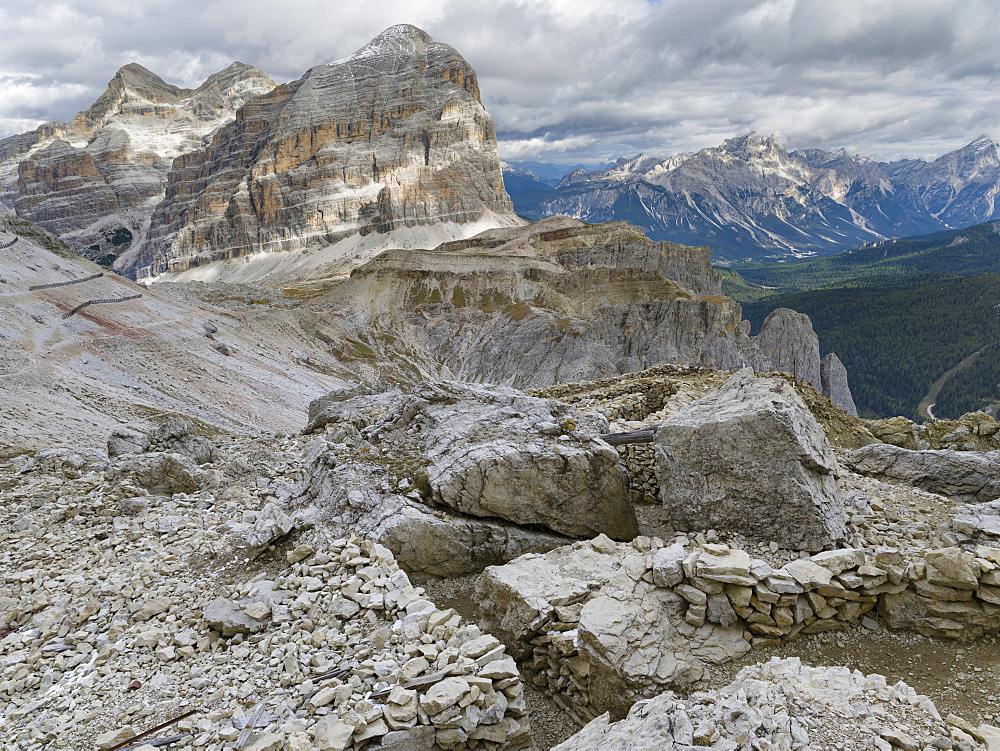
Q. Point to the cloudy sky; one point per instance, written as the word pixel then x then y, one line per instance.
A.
pixel 568 80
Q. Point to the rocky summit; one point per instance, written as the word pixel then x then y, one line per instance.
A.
pixel 392 137
pixel 387 147
pixel 95 180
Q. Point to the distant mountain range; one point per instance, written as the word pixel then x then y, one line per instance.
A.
pixel 752 199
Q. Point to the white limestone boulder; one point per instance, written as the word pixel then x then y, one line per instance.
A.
pixel 749 457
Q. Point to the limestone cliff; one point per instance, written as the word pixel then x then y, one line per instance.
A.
pixel 393 136
pixel 553 302
pixel 95 180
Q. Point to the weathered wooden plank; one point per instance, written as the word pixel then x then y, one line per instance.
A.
pixel 643 435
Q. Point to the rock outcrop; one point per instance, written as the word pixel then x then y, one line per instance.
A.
pixel 787 343
pixel 176 435
pixel 477 474
pixel 967 476
pixel 95 180
pixel 553 302
pixel 393 136
pixel 781 704
pixel 749 457
pixel 975 431
pixel 833 379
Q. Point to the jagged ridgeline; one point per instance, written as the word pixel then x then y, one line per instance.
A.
pixel 750 198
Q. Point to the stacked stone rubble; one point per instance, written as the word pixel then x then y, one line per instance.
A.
pixel 721 589
pixel 111 622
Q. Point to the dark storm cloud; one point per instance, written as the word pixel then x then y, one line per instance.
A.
pixel 569 80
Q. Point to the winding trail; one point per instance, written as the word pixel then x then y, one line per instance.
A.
pixel 926 406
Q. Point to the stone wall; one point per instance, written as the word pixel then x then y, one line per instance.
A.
pixel 711 592
pixel 638 399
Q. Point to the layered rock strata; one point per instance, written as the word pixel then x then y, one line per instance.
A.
pixel 95 180
pixel 967 476
pixel 455 477
pixel 749 457
pixel 553 302
pixel 603 625
pixel 393 136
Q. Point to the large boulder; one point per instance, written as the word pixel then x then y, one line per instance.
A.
pixel 454 477
pixel 749 457
pixel 160 473
pixel 969 476
pixel 496 452
pixel 175 435
pixel 178 435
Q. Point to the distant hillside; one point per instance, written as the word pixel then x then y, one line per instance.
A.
pixel 898 334
pixel 961 252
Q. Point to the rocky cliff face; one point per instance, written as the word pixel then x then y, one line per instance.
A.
pixel 393 136
pixel 750 197
pixel 95 180
pixel 553 302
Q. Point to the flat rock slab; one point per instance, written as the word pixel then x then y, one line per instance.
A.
pixel 749 457
pixel 969 476
pixel 454 477
pixel 494 451
pixel 630 632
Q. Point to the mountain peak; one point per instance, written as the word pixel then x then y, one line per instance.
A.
pixel 401 39
pixel 135 76
pixel 979 143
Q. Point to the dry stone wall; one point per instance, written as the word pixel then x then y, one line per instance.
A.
pixel 586 633
pixel 637 400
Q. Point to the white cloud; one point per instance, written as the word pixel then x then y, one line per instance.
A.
pixel 575 79
pixel 530 148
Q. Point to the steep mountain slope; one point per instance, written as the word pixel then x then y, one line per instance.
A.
pixel 69 378
pixel 95 180
pixel 750 198
pixel 393 136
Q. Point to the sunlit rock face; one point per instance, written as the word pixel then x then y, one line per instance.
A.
pixel 393 136
pixel 94 181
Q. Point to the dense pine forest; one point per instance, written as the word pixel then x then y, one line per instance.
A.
pixel 899 314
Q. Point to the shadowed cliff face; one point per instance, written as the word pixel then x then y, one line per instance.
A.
pixel 95 180
pixel 393 136
pixel 554 302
